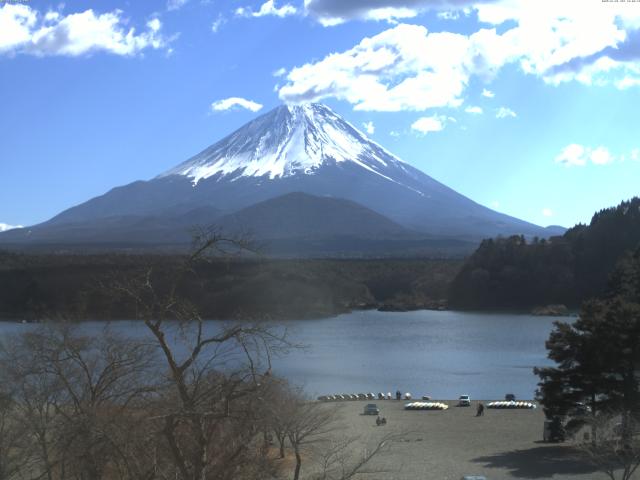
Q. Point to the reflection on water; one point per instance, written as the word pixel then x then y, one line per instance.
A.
pixel 442 354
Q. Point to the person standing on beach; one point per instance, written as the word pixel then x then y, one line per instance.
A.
pixel 480 410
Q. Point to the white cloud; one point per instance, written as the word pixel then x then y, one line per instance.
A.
pixel 280 72
pixel 454 14
pixel 402 68
pixel 601 156
pixel 24 30
pixel 578 155
pixel 217 23
pixel 547 212
pixel 628 82
pixel 17 21
pixel 504 112
pixel 51 16
pixel 588 41
pixel 176 4
pixel 474 110
pixel 394 133
pixel 369 127
pixel 495 204
pixel 448 15
pixel 4 227
pixel 425 125
pixel 154 24
pixel 335 12
pixel 235 102
pixel 268 8
pixel 389 14
pixel 635 155
pixel 488 93
pixel 572 155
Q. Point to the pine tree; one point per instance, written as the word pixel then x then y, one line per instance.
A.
pixel 598 356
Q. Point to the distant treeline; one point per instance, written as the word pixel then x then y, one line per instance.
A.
pixel 512 273
pixel 80 286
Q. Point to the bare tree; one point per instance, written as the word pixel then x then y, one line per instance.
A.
pixel 35 396
pixel 313 432
pixel 280 405
pixel 75 397
pixel 616 449
pixel 187 402
pixel 15 451
pixel 216 372
pixel 339 461
pixel 310 426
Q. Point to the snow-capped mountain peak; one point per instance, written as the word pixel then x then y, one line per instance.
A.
pixel 289 140
pixel 313 164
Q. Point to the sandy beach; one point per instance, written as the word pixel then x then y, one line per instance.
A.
pixel 445 445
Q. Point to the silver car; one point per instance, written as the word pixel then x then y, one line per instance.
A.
pixel 371 409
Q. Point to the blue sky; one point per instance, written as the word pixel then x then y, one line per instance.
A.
pixel 527 107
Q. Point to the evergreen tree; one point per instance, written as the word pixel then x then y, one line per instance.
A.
pixel 598 356
pixel 513 273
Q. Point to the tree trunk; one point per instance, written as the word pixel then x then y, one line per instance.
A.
pixel 45 455
pixel 202 445
pixel 281 441
pixel 296 474
pixel 594 428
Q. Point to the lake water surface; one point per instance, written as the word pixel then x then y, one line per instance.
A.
pixel 443 354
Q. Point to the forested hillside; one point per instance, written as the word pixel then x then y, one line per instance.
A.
pixel 40 286
pixel 512 273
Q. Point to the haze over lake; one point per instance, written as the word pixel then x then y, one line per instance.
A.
pixel 443 354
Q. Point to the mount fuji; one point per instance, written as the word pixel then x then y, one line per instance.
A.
pixel 295 175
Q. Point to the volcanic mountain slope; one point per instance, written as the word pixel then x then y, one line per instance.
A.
pixel 306 148
pixel 299 215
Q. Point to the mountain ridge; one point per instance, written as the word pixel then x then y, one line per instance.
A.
pixel 308 149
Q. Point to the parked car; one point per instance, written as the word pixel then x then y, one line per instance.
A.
pixel 371 409
pixel 464 401
pixel 510 397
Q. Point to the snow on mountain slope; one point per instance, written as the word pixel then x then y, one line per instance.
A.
pixel 287 141
pixel 305 149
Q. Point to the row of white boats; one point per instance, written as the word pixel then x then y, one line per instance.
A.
pixel 340 397
pixel 511 404
pixel 444 406
pixel 426 406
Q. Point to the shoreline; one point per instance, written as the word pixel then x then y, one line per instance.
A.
pixel 324 315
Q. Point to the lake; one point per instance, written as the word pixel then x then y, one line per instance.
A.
pixel 442 354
